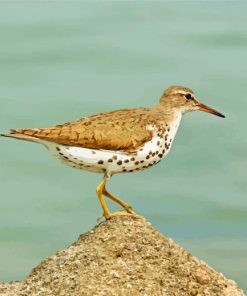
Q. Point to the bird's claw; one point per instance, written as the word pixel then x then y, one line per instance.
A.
pixel 118 213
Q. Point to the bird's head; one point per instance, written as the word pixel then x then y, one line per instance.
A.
pixel 184 100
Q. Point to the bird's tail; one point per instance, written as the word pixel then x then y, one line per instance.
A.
pixel 20 135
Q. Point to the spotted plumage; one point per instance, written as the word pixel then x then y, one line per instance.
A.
pixel 116 142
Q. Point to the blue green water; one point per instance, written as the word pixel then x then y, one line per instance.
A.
pixel 63 60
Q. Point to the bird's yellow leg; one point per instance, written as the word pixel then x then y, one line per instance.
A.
pixel 101 190
pixel 106 212
pixel 123 204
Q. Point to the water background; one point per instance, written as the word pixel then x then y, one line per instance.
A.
pixel 63 60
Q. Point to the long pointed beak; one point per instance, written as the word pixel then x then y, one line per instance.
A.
pixel 205 108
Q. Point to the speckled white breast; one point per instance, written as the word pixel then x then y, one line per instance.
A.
pixel 113 162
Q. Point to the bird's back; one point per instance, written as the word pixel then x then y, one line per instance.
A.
pixel 117 130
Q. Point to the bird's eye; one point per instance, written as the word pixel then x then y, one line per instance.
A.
pixel 188 97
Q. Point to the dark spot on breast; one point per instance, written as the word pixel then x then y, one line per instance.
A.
pixel 130 171
pixel 65 157
pixel 58 149
pixel 126 161
pixel 150 152
pixel 157 152
pixel 100 162
pixel 61 153
pixel 163 151
pixel 114 157
pixel 110 160
pixel 142 161
pixel 167 146
pixel 160 155
pixel 93 152
pixel 124 170
pixel 153 154
pixel 158 143
pixel 147 157
pixel 119 162
pixel 132 159
pixel 137 162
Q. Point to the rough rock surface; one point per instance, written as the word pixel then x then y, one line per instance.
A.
pixel 123 256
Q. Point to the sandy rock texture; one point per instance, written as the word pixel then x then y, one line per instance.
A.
pixel 123 256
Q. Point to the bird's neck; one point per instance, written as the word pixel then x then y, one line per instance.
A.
pixel 170 118
pixel 174 124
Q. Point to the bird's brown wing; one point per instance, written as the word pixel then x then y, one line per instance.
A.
pixel 118 130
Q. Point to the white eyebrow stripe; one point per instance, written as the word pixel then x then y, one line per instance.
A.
pixel 183 92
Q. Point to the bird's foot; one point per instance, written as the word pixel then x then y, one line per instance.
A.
pixel 118 213
pixel 129 210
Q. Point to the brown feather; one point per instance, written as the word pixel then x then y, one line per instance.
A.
pixel 118 130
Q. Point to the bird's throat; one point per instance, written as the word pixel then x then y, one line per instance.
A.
pixel 174 124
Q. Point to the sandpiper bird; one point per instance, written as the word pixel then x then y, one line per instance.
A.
pixel 120 141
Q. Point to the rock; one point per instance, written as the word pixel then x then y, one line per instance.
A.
pixel 123 256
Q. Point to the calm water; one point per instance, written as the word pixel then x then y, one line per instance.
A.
pixel 62 61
